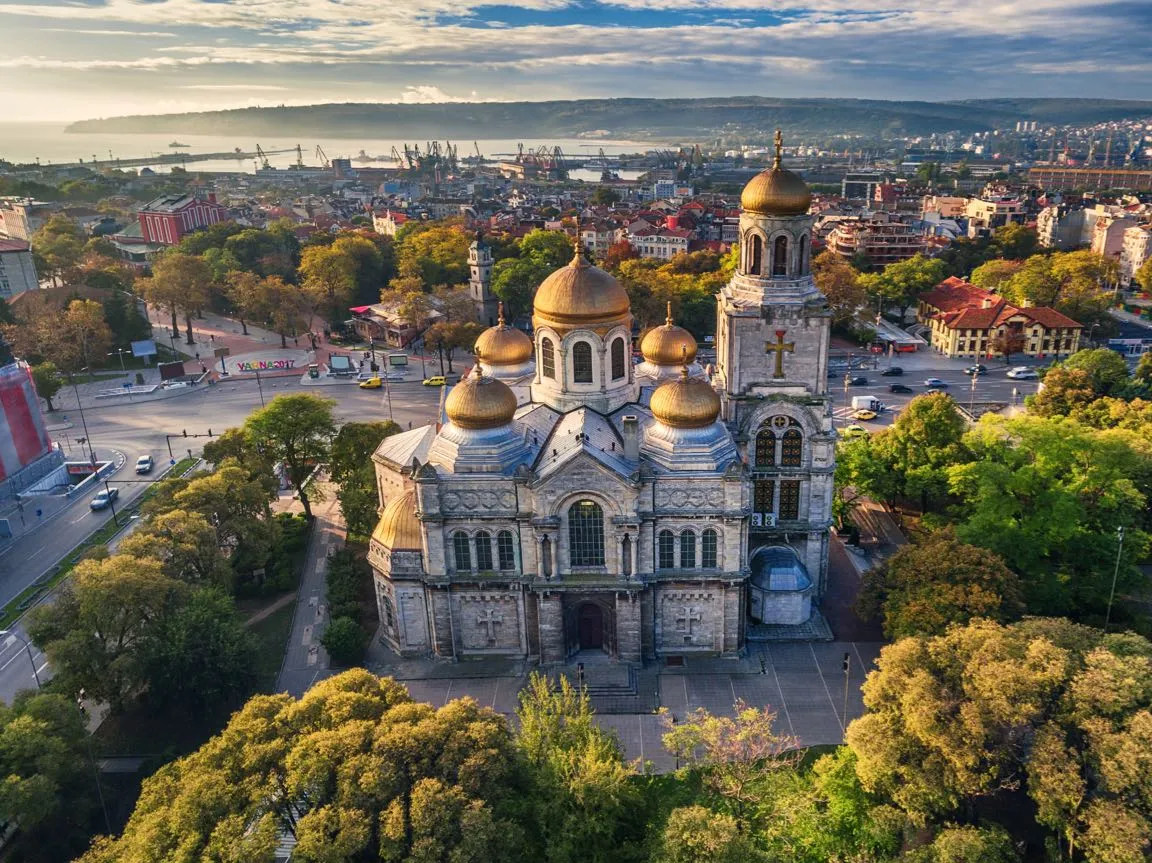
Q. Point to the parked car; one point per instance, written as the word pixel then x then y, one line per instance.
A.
pixel 893 372
pixel 1023 373
pixel 935 384
pixel 864 415
pixel 144 464
pixel 434 381
pixel 104 499
pixel 859 381
pixel 976 370
pixel 899 388
pixel 373 383
pixel 855 431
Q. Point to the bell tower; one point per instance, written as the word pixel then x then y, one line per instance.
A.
pixel 480 281
pixel 772 338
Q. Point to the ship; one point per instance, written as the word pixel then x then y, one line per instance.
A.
pixel 176 144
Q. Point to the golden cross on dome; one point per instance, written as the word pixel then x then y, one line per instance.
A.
pixel 668 319
pixel 500 314
pixel 779 348
pixel 779 149
pixel 577 246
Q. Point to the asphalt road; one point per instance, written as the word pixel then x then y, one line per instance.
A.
pixel 139 428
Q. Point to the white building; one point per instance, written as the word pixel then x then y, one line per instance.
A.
pixel 654 242
pixel 1136 249
pixel 575 502
pixel 17 271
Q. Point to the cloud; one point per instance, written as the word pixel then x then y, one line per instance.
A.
pixel 423 93
pixel 155 34
pixel 240 88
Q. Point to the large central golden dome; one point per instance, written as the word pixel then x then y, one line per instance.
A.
pixel 685 403
pixel 479 402
pixel 668 345
pixel 777 191
pixel 503 345
pixel 579 295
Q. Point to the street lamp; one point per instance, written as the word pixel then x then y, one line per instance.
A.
pixel 4 633
pixel 92 758
pixel 972 390
pixel 1115 575
pixel 83 421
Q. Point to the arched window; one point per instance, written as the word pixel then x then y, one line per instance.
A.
pixel 483 551
pixel 546 553
pixel 666 550
pixel 708 549
pixel 802 256
pixel 792 449
pixel 617 359
pixel 765 448
pixel 687 550
pixel 626 551
pixel 461 552
pixel 586 533
pixel 548 358
pixel 505 551
pixel 582 363
pixel 756 255
pixel 780 257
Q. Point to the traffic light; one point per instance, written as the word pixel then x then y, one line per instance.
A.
pixel 209 432
pixel 185 432
pixel 847 662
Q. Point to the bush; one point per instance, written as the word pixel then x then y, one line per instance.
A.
pixel 345 641
pixel 345 576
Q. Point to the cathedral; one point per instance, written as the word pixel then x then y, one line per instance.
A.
pixel 574 500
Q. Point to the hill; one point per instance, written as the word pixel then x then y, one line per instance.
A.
pixel 651 119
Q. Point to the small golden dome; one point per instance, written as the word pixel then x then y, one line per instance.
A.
pixel 503 345
pixel 580 294
pixel 398 528
pixel 669 344
pixel 478 402
pixel 686 403
pixel 776 192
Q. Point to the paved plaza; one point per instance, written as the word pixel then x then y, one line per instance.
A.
pixel 802 682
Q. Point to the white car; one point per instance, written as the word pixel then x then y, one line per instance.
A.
pixel 935 384
pixel 1022 373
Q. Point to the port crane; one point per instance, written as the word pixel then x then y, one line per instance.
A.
pixel 323 157
pixel 262 156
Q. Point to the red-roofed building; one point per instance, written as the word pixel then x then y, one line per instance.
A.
pixel 967 321
pixel 167 219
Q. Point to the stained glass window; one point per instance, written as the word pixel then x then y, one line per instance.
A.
pixel 548 358
pixel 790 499
pixel 763 491
pixel 586 533
pixel 765 448
pixel 792 450
pixel 582 363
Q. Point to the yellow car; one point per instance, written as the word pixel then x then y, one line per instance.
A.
pixel 863 415
pixel 434 381
pixel 372 383
pixel 855 431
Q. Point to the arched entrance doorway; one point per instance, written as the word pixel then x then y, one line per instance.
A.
pixel 590 626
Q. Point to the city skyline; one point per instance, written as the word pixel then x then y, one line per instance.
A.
pixel 75 61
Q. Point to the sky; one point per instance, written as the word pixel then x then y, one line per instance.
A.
pixel 75 59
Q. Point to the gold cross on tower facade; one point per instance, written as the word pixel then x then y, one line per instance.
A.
pixel 779 348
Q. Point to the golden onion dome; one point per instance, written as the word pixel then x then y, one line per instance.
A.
pixel 685 403
pixel 777 191
pixel 669 344
pixel 398 528
pixel 503 345
pixel 479 402
pixel 580 294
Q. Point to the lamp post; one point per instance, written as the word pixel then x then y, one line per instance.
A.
pixel 92 758
pixel 972 389
pixel 83 421
pixel 1115 575
pixel 28 647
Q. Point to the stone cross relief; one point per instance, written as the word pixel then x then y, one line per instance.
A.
pixel 780 347
pixel 490 619
pixel 688 615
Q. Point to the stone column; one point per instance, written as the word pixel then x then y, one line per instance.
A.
pixel 540 557
pixel 555 557
pixel 627 627
pixel 635 542
pixel 551 628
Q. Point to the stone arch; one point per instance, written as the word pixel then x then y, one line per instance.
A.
pixel 802 264
pixel 547 355
pixel 755 422
pixel 780 249
pixel 755 254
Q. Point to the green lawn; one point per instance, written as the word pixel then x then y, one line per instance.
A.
pixel 271 635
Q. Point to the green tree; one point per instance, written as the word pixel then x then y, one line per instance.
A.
pixel 47 787
pixel 582 795
pixel 181 284
pixel 199 658
pixel 1143 276
pixel 94 632
pixel 840 285
pixel 552 248
pixel 1065 391
pixel 963 844
pixel 443 783
pixel 48 382
pixel 434 252
pixel 1046 494
pixel 925 588
pixel 351 468
pixel 901 283
pixel 604 196
pixel 235 504
pixel 345 642
pixel 297 430
pixel 328 278
pixel 994 274
pixel 1106 369
pixel 57 247
pixel 185 544
pixel 1015 241
pixel 514 280
pixel 694 834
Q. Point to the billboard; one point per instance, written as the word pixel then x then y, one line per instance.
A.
pixel 23 438
pixel 145 348
pixel 168 371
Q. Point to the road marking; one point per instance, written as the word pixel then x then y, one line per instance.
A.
pixel 495 692
pixel 320 566
pixel 80 519
pixel 640 725
pixel 38 551
pixel 306 640
pixel 42 667
pixel 826 689
pixel 780 689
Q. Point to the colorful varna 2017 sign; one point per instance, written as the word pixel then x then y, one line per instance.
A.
pixel 264 365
